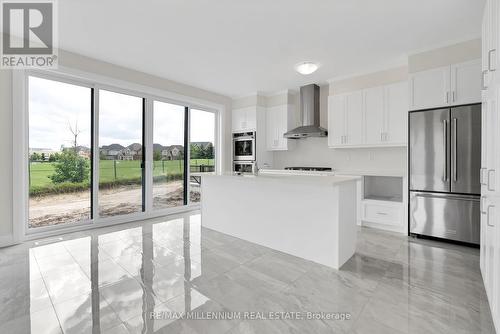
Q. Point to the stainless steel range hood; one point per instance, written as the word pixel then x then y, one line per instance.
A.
pixel 309 110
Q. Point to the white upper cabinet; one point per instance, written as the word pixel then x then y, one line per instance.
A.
pixel 396 113
pixel 354 117
pixel 244 119
pixel 369 117
pixel 279 120
pixel 374 114
pixel 446 86
pixel 336 120
pixel 345 116
pixel 431 88
pixel 466 82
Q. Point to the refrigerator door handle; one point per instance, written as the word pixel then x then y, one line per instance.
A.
pixel 445 165
pixel 454 162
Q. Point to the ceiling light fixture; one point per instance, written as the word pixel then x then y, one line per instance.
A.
pixel 306 67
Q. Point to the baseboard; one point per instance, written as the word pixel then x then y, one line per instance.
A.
pixel 397 229
pixel 6 240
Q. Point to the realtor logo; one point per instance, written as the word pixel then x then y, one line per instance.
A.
pixel 28 34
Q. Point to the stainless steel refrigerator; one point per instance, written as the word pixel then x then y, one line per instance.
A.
pixel 445 159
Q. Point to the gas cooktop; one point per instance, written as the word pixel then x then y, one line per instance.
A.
pixel 314 169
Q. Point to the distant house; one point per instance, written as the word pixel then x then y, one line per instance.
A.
pixel 119 152
pixel 173 152
pixel 46 152
pixel 83 152
pixel 111 152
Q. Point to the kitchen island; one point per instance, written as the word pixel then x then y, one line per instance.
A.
pixel 312 217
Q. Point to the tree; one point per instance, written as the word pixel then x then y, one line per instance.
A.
pixel 75 132
pixel 35 156
pixel 54 157
pixel 43 157
pixel 156 155
pixel 70 168
pixel 196 152
pixel 208 152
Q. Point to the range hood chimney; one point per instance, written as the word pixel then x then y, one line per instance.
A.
pixel 309 111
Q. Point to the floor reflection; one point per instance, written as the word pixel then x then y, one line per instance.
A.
pixel 106 280
pixel 111 280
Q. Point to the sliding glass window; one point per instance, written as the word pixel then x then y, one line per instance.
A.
pixel 202 149
pixel 63 118
pixel 120 154
pixel 168 155
pixel 59 161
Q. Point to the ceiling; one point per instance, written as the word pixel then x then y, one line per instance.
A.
pixel 237 47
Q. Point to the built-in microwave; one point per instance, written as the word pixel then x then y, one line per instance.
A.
pixel 244 167
pixel 244 146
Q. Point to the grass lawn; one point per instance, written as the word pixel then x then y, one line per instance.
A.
pixel 40 171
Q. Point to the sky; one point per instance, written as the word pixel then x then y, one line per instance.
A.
pixel 55 106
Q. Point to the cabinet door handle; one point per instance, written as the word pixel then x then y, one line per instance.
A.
pixel 481 175
pixel 491 172
pixel 488 216
pixel 382 213
pixel 453 96
pixel 447 97
pixel 481 205
pixel 489 59
pixel 483 80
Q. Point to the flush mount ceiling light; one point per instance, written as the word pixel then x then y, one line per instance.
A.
pixel 306 67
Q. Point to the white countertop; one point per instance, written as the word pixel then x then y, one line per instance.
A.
pixel 395 173
pixel 280 178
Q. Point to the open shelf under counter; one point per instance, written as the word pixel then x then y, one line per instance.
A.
pixel 382 202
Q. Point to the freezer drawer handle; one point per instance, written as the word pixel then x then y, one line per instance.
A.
pixel 481 205
pixel 488 216
pixel 445 196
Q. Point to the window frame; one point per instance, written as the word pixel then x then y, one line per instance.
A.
pixel 95 82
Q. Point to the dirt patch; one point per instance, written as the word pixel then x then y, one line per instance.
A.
pixel 74 207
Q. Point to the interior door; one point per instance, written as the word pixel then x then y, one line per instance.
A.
pixel 429 150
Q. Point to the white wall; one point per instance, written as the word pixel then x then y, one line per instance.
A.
pixel 6 161
pixel 81 63
pixel 315 152
pixel 451 54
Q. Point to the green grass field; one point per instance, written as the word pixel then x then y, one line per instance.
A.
pixel 110 170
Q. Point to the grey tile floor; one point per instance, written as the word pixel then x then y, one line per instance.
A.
pixel 111 280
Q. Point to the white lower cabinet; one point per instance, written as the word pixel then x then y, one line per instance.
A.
pixel 382 212
pixel 490 252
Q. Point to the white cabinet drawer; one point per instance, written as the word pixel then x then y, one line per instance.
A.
pixel 379 212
